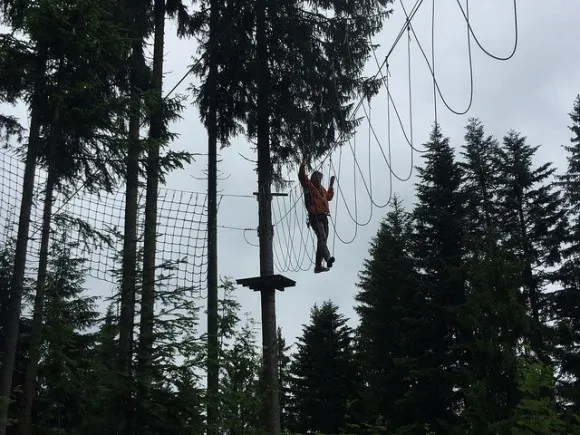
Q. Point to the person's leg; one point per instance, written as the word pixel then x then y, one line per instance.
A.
pixel 326 253
pixel 324 238
pixel 318 258
pixel 317 226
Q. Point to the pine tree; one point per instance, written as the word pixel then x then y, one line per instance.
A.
pixel 314 54
pixel 240 395
pixel 176 355
pixel 38 66
pixel 67 346
pixel 21 356
pixel 533 226
pixel 75 123
pixel 135 17
pixel 567 300
pixel 324 372
pixel 494 310
pixel 480 183
pixel 439 250
pixel 160 113
pixel 284 361
pixel 536 411
pixel 101 414
pixel 389 318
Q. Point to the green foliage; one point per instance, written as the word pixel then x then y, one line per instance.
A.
pixel 566 301
pixel 480 184
pixel 284 373
pixel 324 373
pixel 67 347
pixel 177 355
pixel 6 258
pixel 494 311
pixel 240 397
pixel 439 249
pixel 531 208
pixel 390 318
pixel 536 412
pixel 315 53
pixel 533 225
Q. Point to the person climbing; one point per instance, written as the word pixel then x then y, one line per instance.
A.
pixel 316 199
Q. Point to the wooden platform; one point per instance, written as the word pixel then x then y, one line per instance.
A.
pixel 272 282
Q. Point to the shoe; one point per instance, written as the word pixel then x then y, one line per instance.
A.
pixel 319 269
pixel 330 262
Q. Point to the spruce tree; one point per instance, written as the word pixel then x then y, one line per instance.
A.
pixel 21 356
pixel 284 361
pixel 73 52
pixel 389 318
pixel 323 379
pixel 102 415
pixel 494 310
pixel 67 345
pixel 76 125
pixel 480 182
pixel 314 54
pixel 177 353
pixel 533 226
pixel 566 300
pixel 160 113
pixel 14 58
pixel 536 411
pixel 439 250
pixel 132 80
pixel 240 395
pixel 17 285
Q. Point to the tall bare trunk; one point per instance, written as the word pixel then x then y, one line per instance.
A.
pixel 212 270
pixel 271 408
pixel 146 337
pixel 129 261
pixel 38 314
pixel 12 321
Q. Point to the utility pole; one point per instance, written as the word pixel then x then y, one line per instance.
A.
pixel 212 273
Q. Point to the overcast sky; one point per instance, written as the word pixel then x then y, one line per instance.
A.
pixel 533 93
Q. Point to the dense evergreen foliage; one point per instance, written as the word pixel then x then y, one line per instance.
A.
pixel 470 337
pixel 323 373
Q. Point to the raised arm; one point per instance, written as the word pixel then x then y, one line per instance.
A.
pixel 330 191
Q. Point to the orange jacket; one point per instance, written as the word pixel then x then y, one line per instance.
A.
pixel 315 197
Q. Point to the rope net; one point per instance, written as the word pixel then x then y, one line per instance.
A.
pixel 95 224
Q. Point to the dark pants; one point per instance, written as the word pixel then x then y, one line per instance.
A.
pixel 319 223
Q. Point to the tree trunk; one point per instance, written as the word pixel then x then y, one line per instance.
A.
pixel 129 262
pixel 212 271
pixel 145 354
pixel 12 321
pixel 36 329
pixel 271 409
